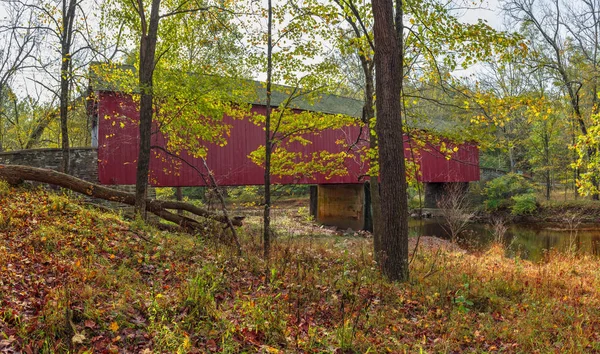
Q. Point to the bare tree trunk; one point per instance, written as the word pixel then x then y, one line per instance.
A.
pixel 215 186
pixel 360 32
pixel 147 61
pixel 511 158
pixel 68 13
pixel 388 69
pixel 373 180
pixel 37 132
pixel 546 140
pixel 268 143
pixel 179 198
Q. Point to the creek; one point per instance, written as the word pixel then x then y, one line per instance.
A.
pixel 528 241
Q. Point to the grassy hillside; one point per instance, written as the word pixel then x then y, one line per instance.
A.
pixel 80 280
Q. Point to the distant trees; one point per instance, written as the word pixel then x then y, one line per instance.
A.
pixel 526 120
pixel 564 45
pixel 60 28
pixel 24 121
pixel 51 41
pixel 17 54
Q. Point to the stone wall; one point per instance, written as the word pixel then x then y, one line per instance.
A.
pixel 84 165
pixel 488 174
pixel 84 161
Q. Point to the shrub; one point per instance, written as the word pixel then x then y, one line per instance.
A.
pixel 500 191
pixel 165 193
pixel 524 204
pixel 4 188
pixel 245 194
pixel 415 196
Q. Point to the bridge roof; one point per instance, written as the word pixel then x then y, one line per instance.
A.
pixel 253 92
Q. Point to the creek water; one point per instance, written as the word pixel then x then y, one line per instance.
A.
pixel 525 240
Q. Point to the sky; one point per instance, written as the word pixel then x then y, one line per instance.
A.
pixel 489 11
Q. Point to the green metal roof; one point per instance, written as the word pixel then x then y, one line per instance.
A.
pixel 257 93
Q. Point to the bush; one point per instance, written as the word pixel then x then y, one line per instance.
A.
pixel 4 188
pixel 524 204
pixel 245 194
pixel 415 196
pixel 165 193
pixel 500 191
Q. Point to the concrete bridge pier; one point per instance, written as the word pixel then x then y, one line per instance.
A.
pixel 342 205
pixel 349 205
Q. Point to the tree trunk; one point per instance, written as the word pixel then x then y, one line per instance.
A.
pixel 268 143
pixel 68 13
pixel 147 62
pixel 546 140
pixel 179 198
pixel 15 174
pixel 388 69
pixel 38 131
pixel 369 113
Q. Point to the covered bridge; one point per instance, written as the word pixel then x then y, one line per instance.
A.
pixel 340 199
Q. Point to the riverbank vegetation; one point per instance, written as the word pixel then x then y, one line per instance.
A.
pixel 78 279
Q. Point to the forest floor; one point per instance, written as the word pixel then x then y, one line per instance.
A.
pixel 76 279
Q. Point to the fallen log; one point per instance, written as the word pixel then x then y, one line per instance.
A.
pixel 16 174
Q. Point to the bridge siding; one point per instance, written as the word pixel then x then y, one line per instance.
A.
pixel 118 150
pixel 463 165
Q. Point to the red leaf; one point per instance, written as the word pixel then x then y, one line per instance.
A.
pixel 89 324
pixel 212 345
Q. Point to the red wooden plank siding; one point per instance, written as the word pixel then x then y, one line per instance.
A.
pixel 118 149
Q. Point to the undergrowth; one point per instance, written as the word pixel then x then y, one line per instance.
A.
pixel 75 279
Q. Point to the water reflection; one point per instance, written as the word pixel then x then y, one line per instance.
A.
pixel 527 241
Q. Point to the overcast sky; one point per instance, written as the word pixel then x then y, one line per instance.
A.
pixel 489 11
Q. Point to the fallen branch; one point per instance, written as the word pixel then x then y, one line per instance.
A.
pixel 230 223
pixel 16 174
pixel 224 208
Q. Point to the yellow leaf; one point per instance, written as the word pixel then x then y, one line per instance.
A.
pixel 114 326
pixel 269 349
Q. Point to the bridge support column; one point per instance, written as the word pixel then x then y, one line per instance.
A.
pixel 314 201
pixel 341 205
pixel 433 193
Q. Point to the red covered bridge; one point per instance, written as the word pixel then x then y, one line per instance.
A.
pixel 340 198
